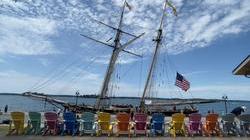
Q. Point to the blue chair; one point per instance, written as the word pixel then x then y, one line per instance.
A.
pixel 70 124
pixel 157 124
pixel 88 123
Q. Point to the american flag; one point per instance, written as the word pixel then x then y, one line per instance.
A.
pixel 182 82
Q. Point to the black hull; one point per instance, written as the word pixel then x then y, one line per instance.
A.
pixel 81 109
pixel 171 112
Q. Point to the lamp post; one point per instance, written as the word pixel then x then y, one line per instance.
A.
pixel 45 102
pixel 77 95
pixel 225 98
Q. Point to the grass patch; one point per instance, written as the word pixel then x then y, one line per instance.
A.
pixel 3 130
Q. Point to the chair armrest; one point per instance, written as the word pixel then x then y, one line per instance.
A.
pixel 80 120
pixel 167 123
pixel 114 123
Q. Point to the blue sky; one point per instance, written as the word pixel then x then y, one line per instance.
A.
pixel 40 39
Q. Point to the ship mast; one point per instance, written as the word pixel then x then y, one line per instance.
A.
pixel 117 48
pixel 155 56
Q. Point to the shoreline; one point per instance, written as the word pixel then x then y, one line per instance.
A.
pixel 124 97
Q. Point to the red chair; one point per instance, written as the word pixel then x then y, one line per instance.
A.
pixel 140 126
pixel 51 123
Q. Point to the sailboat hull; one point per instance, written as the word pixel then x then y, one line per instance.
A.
pixel 114 110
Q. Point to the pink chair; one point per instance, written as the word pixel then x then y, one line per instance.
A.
pixel 194 124
pixel 140 126
pixel 51 123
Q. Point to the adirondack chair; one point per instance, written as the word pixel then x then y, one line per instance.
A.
pixel 229 126
pixel 34 124
pixel 211 126
pixel 194 125
pixel 17 119
pixel 51 123
pixel 140 124
pixel 245 124
pixel 70 124
pixel 123 124
pixel 177 125
pixel 88 123
pixel 104 124
pixel 157 124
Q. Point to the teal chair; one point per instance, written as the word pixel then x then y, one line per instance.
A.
pixel 229 126
pixel 244 124
pixel 88 125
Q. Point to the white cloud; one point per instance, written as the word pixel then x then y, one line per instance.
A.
pixel 237 92
pixel 221 2
pixel 17 82
pixel 122 59
pixel 196 72
pixel 216 29
pixel 44 62
pixel 234 92
pixel 199 22
pixel 26 28
pixel 90 83
pixel 26 36
pixel 87 83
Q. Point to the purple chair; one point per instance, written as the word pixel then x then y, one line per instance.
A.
pixel 194 124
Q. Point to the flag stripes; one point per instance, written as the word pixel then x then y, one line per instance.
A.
pixel 181 82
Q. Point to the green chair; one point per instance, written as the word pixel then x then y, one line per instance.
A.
pixel 34 124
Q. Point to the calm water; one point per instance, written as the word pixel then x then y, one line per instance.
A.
pixel 21 103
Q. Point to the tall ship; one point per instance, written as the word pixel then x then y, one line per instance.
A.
pixel 103 100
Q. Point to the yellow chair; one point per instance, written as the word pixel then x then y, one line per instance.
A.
pixel 104 124
pixel 17 118
pixel 177 125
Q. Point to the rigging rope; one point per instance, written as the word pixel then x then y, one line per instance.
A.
pixel 54 78
pixel 140 77
pixel 51 73
pixel 77 76
pixel 60 72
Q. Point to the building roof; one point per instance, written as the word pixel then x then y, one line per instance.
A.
pixel 243 68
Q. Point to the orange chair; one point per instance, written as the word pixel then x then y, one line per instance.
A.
pixel 211 126
pixel 123 124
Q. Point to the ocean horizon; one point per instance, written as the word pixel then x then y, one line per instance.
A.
pixel 17 102
pixel 131 97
